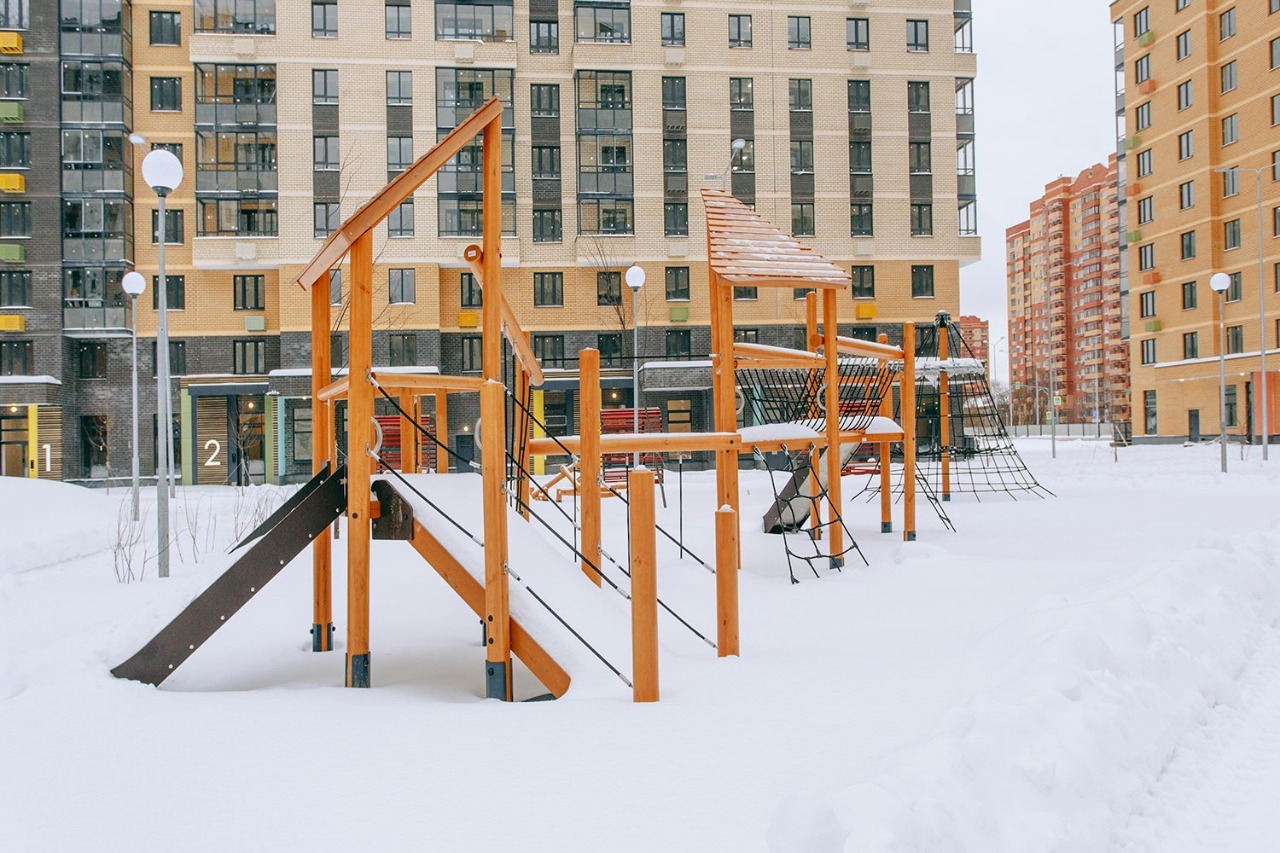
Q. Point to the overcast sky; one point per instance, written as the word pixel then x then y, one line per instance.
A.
pixel 1045 107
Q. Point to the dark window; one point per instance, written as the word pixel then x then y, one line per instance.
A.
pixel 400 220
pixel 548 289
pixel 921 219
pixel 1227 24
pixel 802 221
pixel 864 282
pixel 673 93
pixel 918 96
pixel 1187 195
pixel 1184 95
pixel 166 28
pixel 236 16
pixel 399 21
pixel 1235 289
pixel 1146 209
pixel 679 343
pixel 608 287
pixel 610 346
pixel 922 280
pixel 1229 80
pixel 860 157
pixel 175 297
pixel 1141 21
pixel 15 288
pixel 16 14
pixel 166 94
pixel 470 296
pixel 404 350
pixel 1231 234
pixel 610 23
pixel 1188 294
pixel 673 29
pixel 545 98
pixel 324 19
pixel 677 284
pixel 858 33
pixel 920 158
pixel 546 161
pixel 1142 69
pixel 249 357
pixel 250 292
pixel 1149 411
pixel 547 226
pixel 399 154
pixel 302 435
pixel 1145 163
pixel 325 157
pixel 1148 351
pixel 800 94
pixel 1188 245
pixel 328 216
pixel 1147 304
pixel 16 358
pixel 739 31
pixel 173 227
pixel 675 219
pixel 472 352
pixel 1235 340
pixel 91 358
pixel 482 21
pixel 861 220
pixel 1232 406
pixel 15 150
pixel 745 294
pixel 1142 116
pixel 13 80
pixel 1190 345
pixel 93 446
pixel 1184 45
pixel 544 37
pixel 400 286
pixel 1186 145
pixel 1147 257
pixel 741 93
pixel 799 36
pixel 324 86
pixel 746 336
pixel 335 287
pixel 917 35
pixel 549 350
pixel 399 88
pixel 177 359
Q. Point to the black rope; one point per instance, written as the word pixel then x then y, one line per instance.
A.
pixel 429 502
pixel 571 630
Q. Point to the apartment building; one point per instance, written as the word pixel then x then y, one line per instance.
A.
pixel 1066 312
pixel 1198 119
pixel 976 333
pixel 857 132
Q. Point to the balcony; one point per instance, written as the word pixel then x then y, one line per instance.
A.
pixel 94 316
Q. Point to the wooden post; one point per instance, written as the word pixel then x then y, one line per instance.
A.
pixel 408 434
pixel 644 587
pixel 493 467
pixel 908 396
pixel 589 458
pixel 359 464
pixel 886 457
pixel 724 385
pixel 521 436
pixel 726 582
pixel 944 411
pixel 537 404
pixel 811 321
pixel 831 350
pixel 321 455
pixel 443 459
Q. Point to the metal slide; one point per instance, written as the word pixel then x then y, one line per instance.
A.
pixel 791 510
pixel 296 524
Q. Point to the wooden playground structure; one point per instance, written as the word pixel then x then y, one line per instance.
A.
pixel 743 250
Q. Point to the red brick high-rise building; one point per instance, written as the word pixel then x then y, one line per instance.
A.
pixel 977 335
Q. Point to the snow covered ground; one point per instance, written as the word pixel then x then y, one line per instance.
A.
pixel 1095 671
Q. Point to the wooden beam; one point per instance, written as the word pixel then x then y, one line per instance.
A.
pixel 511 328
pixel 644 587
pixel 830 331
pixel 872 349
pixel 757 277
pixel 322 548
pixel 359 465
pixel 443 459
pixel 645 442
pixel 760 356
pixel 908 410
pixel 541 664
pixel 378 208
pixel 811 321
pixel 491 236
pixel 727 582
pixel 589 458
pixel 886 458
pixel 493 472
pixel 944 412
pixel 429 383
pixel 332 390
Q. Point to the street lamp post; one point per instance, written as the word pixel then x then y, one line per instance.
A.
pixel 734 147
pixel 1220 281
pixel 635 281
pixel 1262 310
pixel 134 285
pixel 163 173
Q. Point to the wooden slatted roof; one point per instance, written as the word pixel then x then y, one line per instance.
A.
pixel 748 250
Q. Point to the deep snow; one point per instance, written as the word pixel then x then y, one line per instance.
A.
pixel 1094 671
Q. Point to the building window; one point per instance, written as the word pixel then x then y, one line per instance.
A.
pixel 1235 289
pixel 1142 69
pixel 1275 53
pixel 800 94
pixel 675 219
pixel 236 16
pixel 610 24
pixel 741 93
pixel 94 441
pixel 1141 22
pixel 545 99
pixel 1186 145
pixel 1147 257
pixel 610 346
pixel 173 227
pixel 1230 182
pixel 91 358
pixel 922 281
pixel 1146 209
pixel 400 220
pixel 13 80
pixel 166 28
pixel 549 350
pixel 175 295
pixel 1184 45
pixel 324 86
pixel 1184 95
pixel 861 220
pixel 921 219
pixel 15 288
pixel 1232 406
pixel 1147 304
pixel 249 292
pixel 1230 129
pixel 798 32
pixel 1227 24
pixel 1231 235
pixel 1188 295
pixel 746 336
pixel 739 31
pixel 399 23
pixel 673 29
pixel 860 96
pixel 745 294
pixel 1229 77
pixel 325 154
pixel 677 284
pixel 1142 116
pixel 1148 349
pixel 335 287
pixel 1187 195
pixel 1149 411
pixel 1190 345
pixel 399 88
pixel 1145 163
pixel 673 93
pixel 675 156
pixel 249 357
pixel 919 158
pixel 328 216
pixel 404 350
pixel 802 224
pixel 472 353
pixel 16 358
pixel 482 21
pixel 917 35
pixel 1275 110
pixel 801 156
pixel 401 286
pixel 857 33
pixel 917 96
pixel 548 289
pixel 1235 340
pixel 1179 5
pixel 608 287
pixel 470 295
pixel 177 361
pixel 399 154
pixel 864 282
pixel 544 37
pixel 324 19
pixel 679 343
pixel 1188 245
pixel 547 226
pixel 166 94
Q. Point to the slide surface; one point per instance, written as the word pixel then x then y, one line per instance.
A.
pixel 324 500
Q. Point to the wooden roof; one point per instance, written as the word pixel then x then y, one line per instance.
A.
pixel 745 249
